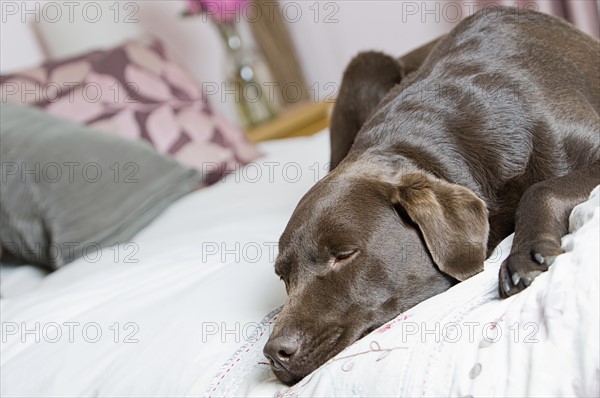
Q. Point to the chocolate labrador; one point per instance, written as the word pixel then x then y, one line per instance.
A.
pixel 436 157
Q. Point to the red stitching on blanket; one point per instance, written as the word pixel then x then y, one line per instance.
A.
pixel 239 358
pixel 392 323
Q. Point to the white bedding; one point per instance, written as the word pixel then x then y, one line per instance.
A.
pixel 182 311
pixel 176 288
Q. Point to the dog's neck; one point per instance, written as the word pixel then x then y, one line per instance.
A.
pixel 390 166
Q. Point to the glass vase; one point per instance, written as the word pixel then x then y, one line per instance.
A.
pixel 246 74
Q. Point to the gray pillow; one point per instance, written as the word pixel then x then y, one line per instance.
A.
pixel 67 189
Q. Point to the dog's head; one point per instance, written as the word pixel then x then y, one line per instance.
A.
pixel 358 251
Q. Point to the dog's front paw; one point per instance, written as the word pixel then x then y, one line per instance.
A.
pixel 523 265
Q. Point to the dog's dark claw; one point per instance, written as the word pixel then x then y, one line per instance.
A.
pixel 507 288
pixel 538 258
pixel 516 278
pixel 507 285
pixel 529 277
pixel 543 260
pixel 521 268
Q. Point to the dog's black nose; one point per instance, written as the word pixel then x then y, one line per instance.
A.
pixel 280 350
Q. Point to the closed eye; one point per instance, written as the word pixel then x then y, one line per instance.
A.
pixel 344 257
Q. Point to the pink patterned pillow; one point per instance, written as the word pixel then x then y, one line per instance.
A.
pixel 136 91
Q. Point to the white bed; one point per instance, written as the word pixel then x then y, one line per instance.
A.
pixel 188 311
pixel 175 288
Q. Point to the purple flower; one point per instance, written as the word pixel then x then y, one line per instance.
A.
pixel 219 10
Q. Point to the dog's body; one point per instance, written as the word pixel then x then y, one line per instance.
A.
pixel 492 129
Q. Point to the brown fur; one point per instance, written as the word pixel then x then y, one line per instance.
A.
pixel 494 130
pixel 453 221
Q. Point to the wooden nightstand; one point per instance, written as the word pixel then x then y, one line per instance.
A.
pixel 299 120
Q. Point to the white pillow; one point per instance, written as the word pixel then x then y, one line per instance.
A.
pixel 90 26
pixel 20 49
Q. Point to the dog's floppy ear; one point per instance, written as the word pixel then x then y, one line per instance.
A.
pixel 452 219
pixel 366 81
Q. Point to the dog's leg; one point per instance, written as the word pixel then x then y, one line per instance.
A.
pixel 541 221
pixel 367 79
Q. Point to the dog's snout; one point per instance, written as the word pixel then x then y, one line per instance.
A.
pixel 280 351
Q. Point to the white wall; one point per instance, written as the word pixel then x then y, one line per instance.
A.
pixel 326 33
pixel 343 28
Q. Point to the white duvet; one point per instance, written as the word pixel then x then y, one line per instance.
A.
pixel 176 312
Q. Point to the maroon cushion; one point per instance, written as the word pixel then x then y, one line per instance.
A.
pixel 136 91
